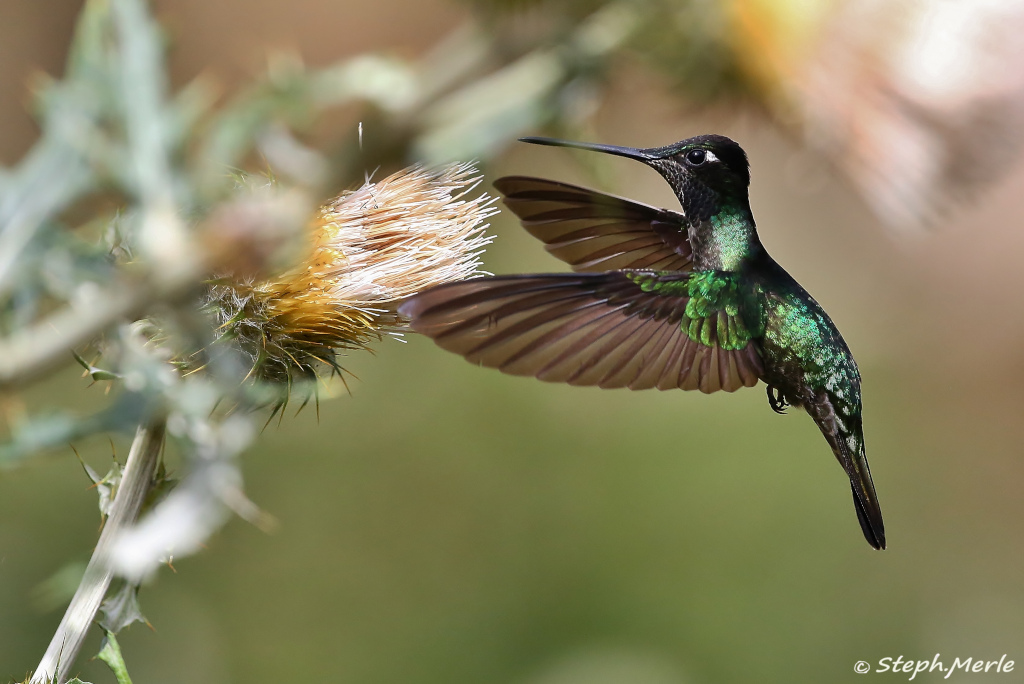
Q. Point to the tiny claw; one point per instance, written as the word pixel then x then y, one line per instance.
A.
pixel 777 400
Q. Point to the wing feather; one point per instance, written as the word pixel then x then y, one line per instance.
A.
pixel 591 329
pixel 593 231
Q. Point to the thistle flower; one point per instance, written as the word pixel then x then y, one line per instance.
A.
pixel 369 250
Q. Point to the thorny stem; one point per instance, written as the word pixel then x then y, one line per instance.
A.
pixel 131 493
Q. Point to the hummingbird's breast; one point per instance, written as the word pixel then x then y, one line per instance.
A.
pixel 802 349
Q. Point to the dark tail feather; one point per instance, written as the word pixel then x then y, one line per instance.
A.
pixel 855 463
pixel 864 497
pixel 872 526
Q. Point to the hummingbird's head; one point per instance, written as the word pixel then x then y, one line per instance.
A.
pixel 707 172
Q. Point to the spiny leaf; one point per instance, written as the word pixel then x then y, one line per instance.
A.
pixel 161 486
pixel 121 609
pixel 106 486
pixel 94 372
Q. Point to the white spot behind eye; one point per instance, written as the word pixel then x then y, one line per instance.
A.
pixel 710 156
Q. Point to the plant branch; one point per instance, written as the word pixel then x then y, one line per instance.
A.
pixel 131 493
pixel 31 352
pixel 247 232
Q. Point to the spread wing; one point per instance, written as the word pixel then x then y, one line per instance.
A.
pixel 603 329
pixel 596 232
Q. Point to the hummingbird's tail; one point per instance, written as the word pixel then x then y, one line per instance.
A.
pixel 846 437
pixel 870 522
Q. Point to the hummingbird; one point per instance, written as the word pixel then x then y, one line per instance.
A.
pixel 660 299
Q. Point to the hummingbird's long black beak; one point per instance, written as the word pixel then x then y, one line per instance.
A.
pixel 629 152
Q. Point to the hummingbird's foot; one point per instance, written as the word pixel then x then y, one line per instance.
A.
pixel 777 400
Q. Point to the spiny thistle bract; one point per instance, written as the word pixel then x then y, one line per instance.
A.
pixel 369 250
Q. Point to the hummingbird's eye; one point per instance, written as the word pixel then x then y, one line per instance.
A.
pixel 696 157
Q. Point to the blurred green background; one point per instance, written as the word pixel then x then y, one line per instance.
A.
pixel 443 523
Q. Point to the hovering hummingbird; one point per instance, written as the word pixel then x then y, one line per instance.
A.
pixel 660 298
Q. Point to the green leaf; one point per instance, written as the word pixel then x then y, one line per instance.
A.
pixel 121 609
pixel 161 486
pixel 106 486
pixel 89 48
pixel 94 372
pixel 38 433
pixel 58 428
pixel 55 591
pixel 142 91
pixel 111 655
